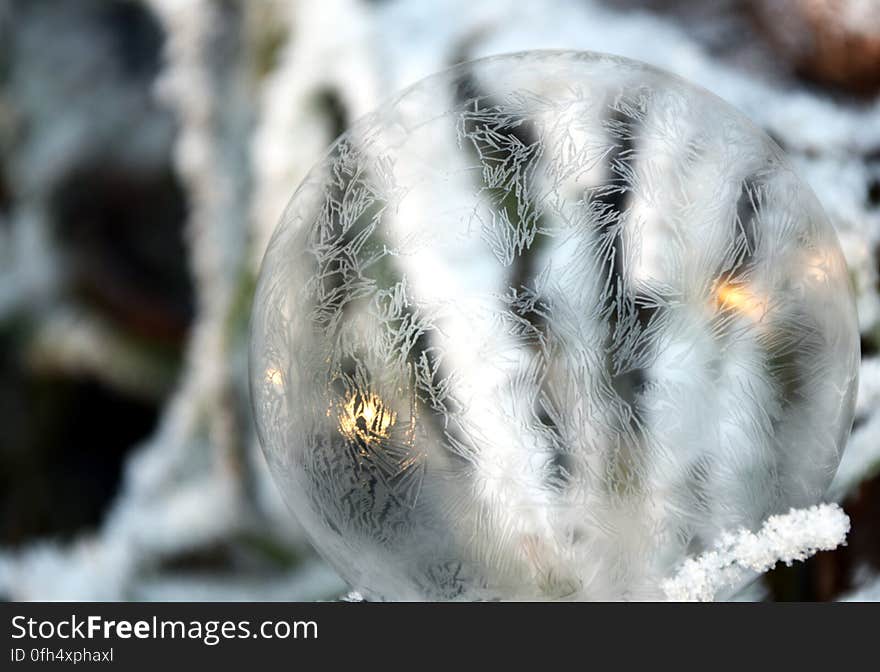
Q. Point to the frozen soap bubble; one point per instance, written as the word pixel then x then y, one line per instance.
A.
pixel 543 326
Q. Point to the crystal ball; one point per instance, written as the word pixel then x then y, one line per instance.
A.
pixel 543 326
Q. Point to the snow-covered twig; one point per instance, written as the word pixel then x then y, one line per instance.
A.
pixel 796 535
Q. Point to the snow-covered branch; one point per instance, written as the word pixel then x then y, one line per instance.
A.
pixel 790 537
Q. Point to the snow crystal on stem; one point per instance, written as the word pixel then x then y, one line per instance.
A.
pixel 796 535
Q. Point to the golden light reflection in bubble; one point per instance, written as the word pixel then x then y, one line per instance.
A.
pixel 274 377
pixel 818 267
pixel 739 298
pixel 365 417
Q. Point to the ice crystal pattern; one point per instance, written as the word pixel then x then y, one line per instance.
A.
pixel 543 327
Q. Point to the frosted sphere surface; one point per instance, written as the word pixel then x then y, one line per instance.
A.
pixel 542 327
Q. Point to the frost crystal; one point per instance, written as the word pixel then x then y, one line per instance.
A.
pixel 545 326
pixel 784 538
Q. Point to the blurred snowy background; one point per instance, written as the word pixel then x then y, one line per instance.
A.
pixel 147 149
